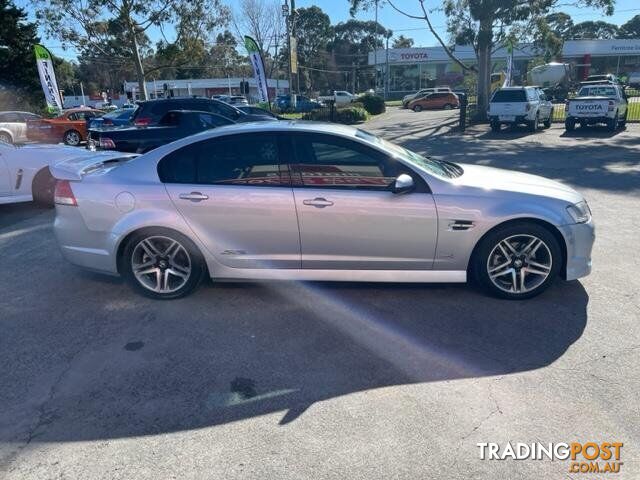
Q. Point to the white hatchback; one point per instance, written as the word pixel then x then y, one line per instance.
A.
pixel 520 105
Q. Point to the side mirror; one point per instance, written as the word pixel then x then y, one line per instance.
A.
pixel 403 184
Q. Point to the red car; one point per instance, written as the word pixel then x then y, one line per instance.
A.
pixel 436 100
pixel 69 127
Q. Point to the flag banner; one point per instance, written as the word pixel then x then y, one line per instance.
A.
pixel 48 78
pixel 258 68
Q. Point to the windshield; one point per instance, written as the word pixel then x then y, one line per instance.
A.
pixel 597 91
pixel 437 167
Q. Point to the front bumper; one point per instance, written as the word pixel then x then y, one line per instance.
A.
pixel 579 239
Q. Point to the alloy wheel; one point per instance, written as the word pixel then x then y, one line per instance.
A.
pixel 161 264
pixel 519 263
pixel 72 138
pixel 5 138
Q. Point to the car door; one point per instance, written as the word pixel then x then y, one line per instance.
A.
pixel 5 173
pixel 235 194
pixel 349 217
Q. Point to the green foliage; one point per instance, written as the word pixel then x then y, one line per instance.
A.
pixel 589 30
pixel 19 84
pixel 351 115
pixel 347 115
pixel 402 42
pixel 373 104
pixel 631 29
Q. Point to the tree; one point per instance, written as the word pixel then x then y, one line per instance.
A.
pixel 484 24
pixel 19 84
pixel 402 42
pixel 314 33
pixel 353 41
pixel 263 21
pixel 631 29
pixel 550 33
pixel 93 24
pixel 593 30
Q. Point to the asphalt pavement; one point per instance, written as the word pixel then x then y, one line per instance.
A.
pixel 283 380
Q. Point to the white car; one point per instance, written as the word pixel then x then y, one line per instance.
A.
pixel 24 170
pixel 340 97
pixel 520 105
pixel 13 126
pixel 597 103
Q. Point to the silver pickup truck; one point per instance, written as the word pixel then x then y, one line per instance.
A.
pixel 597 103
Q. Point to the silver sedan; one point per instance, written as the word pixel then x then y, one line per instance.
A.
pixel 305 201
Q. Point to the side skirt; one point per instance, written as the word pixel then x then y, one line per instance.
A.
pixel 408 276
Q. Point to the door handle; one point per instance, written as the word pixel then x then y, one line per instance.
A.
pixel 318 202
pixel 193 196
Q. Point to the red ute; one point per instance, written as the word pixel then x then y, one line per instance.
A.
pixel 70 127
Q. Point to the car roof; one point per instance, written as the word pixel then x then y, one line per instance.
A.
pixel 281 126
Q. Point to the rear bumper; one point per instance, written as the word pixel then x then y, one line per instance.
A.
pixel 495 119
pixel 81 246
pixel 589 120
pixel 579 239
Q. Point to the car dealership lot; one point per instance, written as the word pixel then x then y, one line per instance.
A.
pixel 329 380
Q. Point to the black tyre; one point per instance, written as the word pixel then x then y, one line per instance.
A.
pixel 547 122
pixel 43 188
pixel 534 124
pixel 569 124
pixel 5 138
pixel 612 123
pixel 623 123
pixel 495 127
pixel 72 137
pixel 162 263
pixel 417 108
pixel 448 106
pixel 517 261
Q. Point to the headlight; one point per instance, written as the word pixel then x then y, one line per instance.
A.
pixel 580 212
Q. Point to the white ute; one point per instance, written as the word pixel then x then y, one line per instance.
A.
pixel 520 105
pixel 597 103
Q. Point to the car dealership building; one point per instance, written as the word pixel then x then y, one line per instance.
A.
pixel 413 68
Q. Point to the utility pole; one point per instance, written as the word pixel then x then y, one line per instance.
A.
pixel 287 16
pixel 386 72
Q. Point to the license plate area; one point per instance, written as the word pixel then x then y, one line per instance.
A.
pixel 507 118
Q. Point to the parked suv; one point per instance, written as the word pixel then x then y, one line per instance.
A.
pixel 520 105
pixel 442 100
pixel 151 111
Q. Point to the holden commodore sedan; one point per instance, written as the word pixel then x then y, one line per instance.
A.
pixel 305 201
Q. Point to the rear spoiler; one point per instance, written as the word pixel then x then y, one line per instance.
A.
pixel 76 168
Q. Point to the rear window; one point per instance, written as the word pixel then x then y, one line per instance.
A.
pixel 597 91
pixel 504 96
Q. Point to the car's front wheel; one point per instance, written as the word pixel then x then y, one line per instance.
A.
pixel 517 261
pixel 72 137
pixel 162 264
pixel 417 108
pixel 5 138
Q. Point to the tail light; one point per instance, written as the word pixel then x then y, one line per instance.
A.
pixel 611 104
pixel 107 144
pixel 63 194
pixel 143 121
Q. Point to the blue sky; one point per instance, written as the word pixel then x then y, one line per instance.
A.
pixel 338 10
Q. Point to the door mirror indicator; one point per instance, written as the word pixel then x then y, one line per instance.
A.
pixel 403 184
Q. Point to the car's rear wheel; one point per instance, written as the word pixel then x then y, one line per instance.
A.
pixel 517 261
pixel 162 263
pixel 72 137
pixel 43 187
pixel 495 127
pixel 417 108
pixel 612 123
pixel 5 138
pixel 534 124
pixel 569 124
pixel 448 106
pixel 547 122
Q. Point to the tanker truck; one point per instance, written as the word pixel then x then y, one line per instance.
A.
pixel 554 78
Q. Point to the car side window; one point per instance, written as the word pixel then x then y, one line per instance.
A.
pixel 251 160
pixel 10 117
pixel 72 117
pixel 327 161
